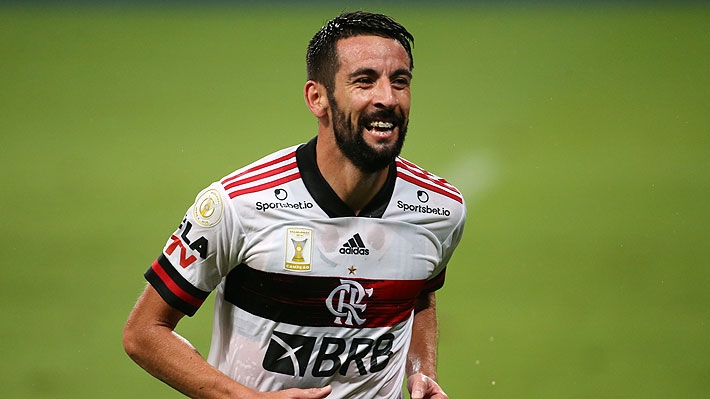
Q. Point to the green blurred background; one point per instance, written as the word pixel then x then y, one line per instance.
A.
pixel 579 134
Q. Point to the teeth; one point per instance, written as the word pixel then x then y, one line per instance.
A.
pixel 385 125
pixel 381 132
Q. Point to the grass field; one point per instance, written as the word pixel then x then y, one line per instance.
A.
pixel 579 135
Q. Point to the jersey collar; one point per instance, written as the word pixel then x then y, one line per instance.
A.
pixel 324 195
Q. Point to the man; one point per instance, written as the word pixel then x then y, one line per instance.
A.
pixel 324 256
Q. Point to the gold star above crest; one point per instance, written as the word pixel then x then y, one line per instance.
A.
pixel 352 269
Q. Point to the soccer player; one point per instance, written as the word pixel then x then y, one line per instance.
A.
pixel 324 257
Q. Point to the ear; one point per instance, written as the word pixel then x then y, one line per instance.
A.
pixel 316 98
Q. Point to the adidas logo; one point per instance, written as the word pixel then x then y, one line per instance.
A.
pixel 354 246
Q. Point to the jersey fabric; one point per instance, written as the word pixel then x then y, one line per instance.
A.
pixel 307 293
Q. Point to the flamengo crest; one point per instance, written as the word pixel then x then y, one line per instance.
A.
pixel 345 301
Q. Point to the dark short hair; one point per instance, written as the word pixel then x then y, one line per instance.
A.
pixel 322 58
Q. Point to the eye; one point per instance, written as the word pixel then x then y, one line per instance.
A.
pixel 363 81
pixel 400 83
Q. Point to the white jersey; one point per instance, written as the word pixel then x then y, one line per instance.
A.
pixel 308 294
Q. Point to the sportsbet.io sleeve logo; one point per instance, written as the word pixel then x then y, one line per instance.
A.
pixel 208 208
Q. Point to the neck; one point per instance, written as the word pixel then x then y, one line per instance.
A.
pixel 355 188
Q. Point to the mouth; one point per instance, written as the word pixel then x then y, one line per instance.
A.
pixel 380 128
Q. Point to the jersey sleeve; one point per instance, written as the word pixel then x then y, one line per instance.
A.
pixel 203 249
pixel 447 250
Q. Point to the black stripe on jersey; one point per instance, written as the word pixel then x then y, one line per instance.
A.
pixel 273 297
pixel 327 199
pixel 435 283
pixel 302 300
pixel 183 296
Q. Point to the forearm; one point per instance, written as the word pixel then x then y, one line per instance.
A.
pixel 166 355
pixel 421 357
pixel 174 361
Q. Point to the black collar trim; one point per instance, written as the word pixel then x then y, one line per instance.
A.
pixel 324 195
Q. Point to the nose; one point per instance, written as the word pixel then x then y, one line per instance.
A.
pixel 384 96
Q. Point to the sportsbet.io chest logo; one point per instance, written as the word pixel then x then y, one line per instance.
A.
pixel 345 302
pixel 281 195
pixel 423 207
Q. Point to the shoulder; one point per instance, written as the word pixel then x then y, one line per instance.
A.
pixel 419 178
pixel 425 199
pixel 274 169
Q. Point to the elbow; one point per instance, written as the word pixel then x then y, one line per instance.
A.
pixel 131 341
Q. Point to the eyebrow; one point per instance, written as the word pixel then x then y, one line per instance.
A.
pixel 405 72
pixel 370 71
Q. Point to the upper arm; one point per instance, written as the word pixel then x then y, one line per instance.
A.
pixel 202 251
pixel 425 300
pixel 151 311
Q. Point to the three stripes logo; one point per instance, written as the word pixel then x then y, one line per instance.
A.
pixel 354 246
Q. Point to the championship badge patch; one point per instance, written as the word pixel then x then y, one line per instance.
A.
pixel 299 242
pixel 208 208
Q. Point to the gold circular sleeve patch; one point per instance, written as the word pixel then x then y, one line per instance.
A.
pixel 208 208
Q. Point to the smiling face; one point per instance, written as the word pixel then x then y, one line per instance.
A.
pixel 369 105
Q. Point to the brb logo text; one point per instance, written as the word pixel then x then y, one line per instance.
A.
pixel 345 301
pixel 291 354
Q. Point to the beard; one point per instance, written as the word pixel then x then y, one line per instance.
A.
pixel 352 144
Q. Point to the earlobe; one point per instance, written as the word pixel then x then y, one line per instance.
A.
pixel 316 100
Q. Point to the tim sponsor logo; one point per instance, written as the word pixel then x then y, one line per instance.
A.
pixel 425 209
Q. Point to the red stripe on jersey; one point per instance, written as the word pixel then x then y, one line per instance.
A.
pixel 174 288
pixel 392 301
pixel 261 176
pixel 429 186
pixel 265 186
pixel 260 166
pixel 417 171
pixel 441 179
